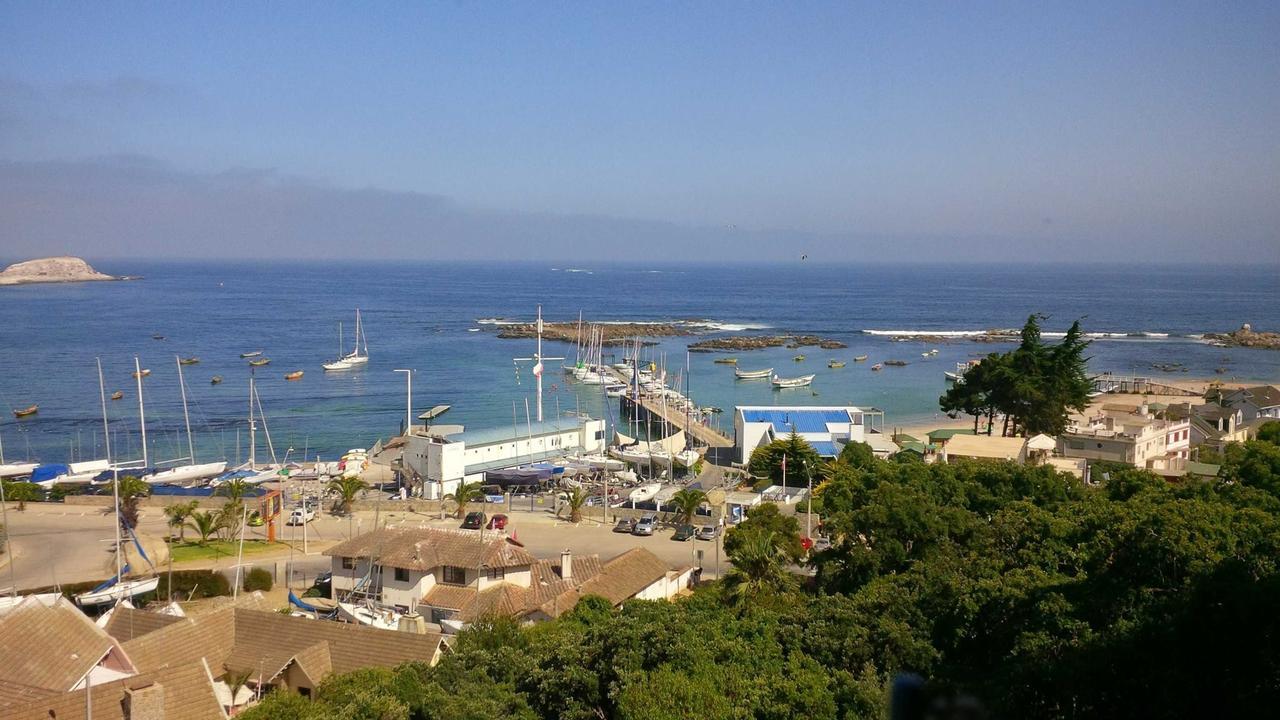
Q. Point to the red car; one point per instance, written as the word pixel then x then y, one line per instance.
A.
pixel 498 522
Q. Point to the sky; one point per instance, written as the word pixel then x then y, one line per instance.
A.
pixel 710 131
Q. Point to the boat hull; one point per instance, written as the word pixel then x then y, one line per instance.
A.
pixel 119 591
pixel 187 472
pixel 752 374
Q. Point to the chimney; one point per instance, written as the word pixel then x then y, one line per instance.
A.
pixel 566 564
pixel 412 622
pixel 144 702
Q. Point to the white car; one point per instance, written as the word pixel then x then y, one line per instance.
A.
pixel 300 516
pixel 645 525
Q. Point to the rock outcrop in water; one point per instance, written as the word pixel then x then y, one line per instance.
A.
pixel 614 333
pixel 1246 336
pixel 759 342
pixel 51 270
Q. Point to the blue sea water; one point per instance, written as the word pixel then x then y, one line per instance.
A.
pixel 420 315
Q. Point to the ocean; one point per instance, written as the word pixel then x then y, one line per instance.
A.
pixel 425 316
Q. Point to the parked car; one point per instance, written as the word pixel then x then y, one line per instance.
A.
pixel 625 525
pixel 684 532
pixel 301 516
pixel 645 525
pixel 708 532
pixel 473 521
pixel 497 522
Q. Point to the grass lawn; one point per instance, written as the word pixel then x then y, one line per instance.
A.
pixel 187 551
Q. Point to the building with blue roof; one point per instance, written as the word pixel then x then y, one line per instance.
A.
pixel 827 428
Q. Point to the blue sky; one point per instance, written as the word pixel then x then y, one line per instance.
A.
pixel 971 131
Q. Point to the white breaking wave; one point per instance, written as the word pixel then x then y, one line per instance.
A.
pixel 713 326
pixel 939 333
pixel 1012 333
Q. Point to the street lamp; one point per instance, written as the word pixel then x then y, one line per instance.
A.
pixel 408 403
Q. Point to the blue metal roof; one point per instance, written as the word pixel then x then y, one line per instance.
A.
pixel 519 431
pixel 825 448
pixel 804 421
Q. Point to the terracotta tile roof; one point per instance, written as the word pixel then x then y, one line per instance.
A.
pixel 209 636
pixel 505 599
pixel 452 597
pixel 315 661
pixel 620 579
pixel 350 647
pixel 427 548
pixel 127 623
pixel 188 695
pixel 49 647
pixel 16 694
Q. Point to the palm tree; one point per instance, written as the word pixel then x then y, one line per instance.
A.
pixel 235 488
pixel 21 493
pixel 687 502
pixel 465 494
pixel 235 681
pixel 758 571
pixel 206 524
pixel 131 491
pixel 346 489
pixel 178 514
pixel 574 500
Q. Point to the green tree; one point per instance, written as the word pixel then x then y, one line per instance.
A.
pixel 686 501
pixel 346 488
pixel 177 515
pixel 205 523
pixel 131 491
pixel 21 493
pixel 1269 432
pixel 464 495
pixel 759 571
pixel 766 519
pixel 857 454
pixel 574 499
pixel 801 459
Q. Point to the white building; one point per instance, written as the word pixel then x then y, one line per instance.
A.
pixel 443 456
pixel 1139 439
pixel 826 428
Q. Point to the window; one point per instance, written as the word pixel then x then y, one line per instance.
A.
pixel 497 573
pixel 402 575
pixel 454 575
pixel 348 563
pixel 599 434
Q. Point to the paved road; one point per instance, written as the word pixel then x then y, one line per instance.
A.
pixel 56 543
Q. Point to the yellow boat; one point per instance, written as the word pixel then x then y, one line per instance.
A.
pixel 26 412
pixel 798 358
pixel 117 395
pixel 145 372
pixel 836 364
pixel 726 361
pixel 295 375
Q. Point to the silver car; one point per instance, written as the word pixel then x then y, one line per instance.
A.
pixel 708 532
pixel 645 525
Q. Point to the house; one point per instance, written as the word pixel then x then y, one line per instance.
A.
pixel 443 456
pixel 1212 425
pixel 984 447
pixel 457 576
pixel 826 428
pixel 1133 436
pixel 1260 401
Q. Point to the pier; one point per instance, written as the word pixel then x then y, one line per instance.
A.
pixel 653 408
pixel 1131 384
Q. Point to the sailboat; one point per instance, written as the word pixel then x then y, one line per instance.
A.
pixel 359 354
pixel 341 363
pixel 117 588
pixel 193 470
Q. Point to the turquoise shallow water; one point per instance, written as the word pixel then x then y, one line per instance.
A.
pixel 419 315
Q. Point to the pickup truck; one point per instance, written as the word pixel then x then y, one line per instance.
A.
pixel 299 516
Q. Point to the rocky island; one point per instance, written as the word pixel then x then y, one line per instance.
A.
pixel 51 270
pixel 1246 336
pixel 614 333
pixel 759 342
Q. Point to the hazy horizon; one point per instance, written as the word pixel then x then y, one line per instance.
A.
pixel 715 133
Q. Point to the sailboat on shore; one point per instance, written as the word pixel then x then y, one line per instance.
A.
pixel 193 470
pixel 359 354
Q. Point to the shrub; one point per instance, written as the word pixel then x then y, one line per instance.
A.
pixel 257 579
pixel 204 583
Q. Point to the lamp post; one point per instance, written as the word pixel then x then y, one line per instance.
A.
pixel 408 402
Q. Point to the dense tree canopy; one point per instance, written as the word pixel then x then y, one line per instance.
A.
pixel 1037 595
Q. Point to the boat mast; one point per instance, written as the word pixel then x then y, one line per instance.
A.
pixel 115 472
pixel 253 429
pixel 537 365
pixel 182 386
pixel 142 415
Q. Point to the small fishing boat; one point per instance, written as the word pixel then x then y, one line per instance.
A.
pixel 189 361
pixel 215 379
pixel 924 354
pixel 877 366
pixel 860 358
pixel 836 364
pixel 117 395
pixel 295 375
pixel 933 351
pixel 712 410
pixel 141 373
pixel 752 374
pixel 798 358
pixel 259 362
pixel 796 382
pixel 726 361
pixel 26 411
pixel 157 336
pixel 252 354
pixel 896 363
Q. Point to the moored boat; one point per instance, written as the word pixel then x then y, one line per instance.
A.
pixel 117 395
pixel 836 364
pixel 782 383
pixel 726 361
pixel 189 360
pixel 259 362
pixel 798 358
pixel 250 354
pixel 141 373
pixel 859 358
pixel 26 411
pixel 752 374
pixel 896 363
pixel 215 379
pixel 295 375
pixel 877 366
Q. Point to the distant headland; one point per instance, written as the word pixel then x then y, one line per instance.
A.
pixel 53 270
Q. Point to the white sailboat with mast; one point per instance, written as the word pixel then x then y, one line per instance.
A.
pixel 117 588
pixel 359 354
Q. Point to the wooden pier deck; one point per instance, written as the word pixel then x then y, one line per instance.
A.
pixel 655 408
pixel 1130 384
